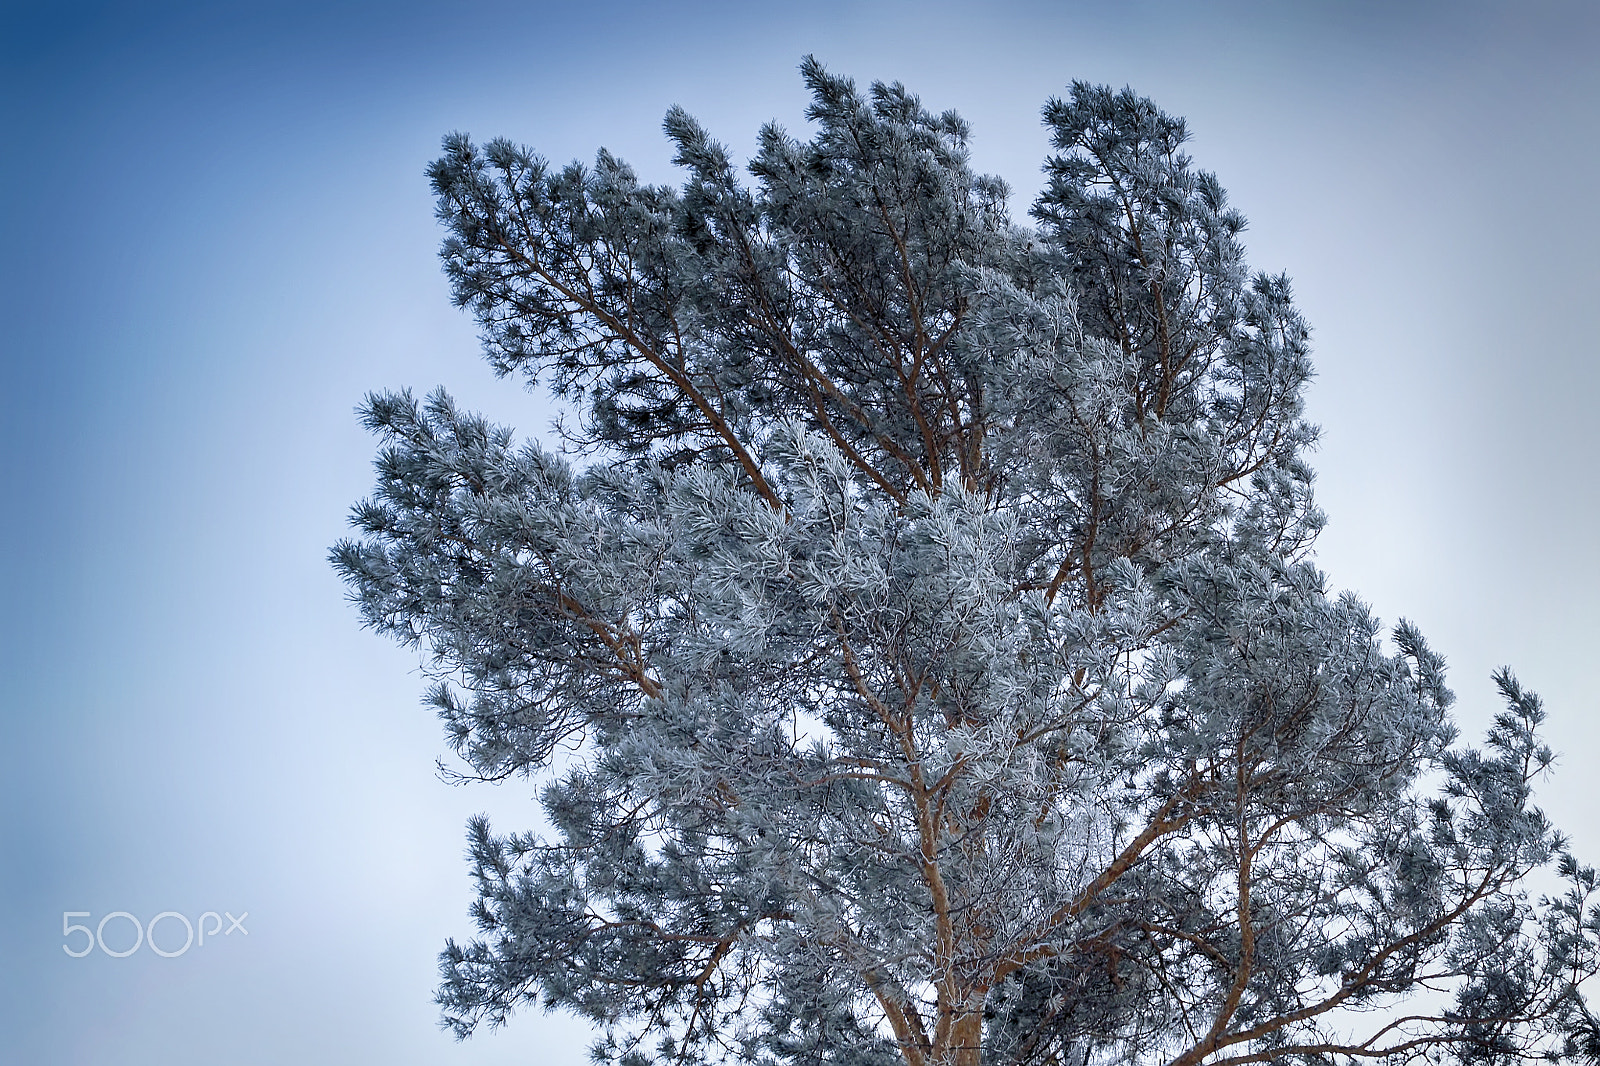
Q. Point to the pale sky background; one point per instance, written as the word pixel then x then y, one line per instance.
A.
pixel 217 236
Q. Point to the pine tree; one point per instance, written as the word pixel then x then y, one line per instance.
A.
pixel 928 665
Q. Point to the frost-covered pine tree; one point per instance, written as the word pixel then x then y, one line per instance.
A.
pixel 928 664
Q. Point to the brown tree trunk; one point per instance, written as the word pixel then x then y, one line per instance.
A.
pixel 966 1039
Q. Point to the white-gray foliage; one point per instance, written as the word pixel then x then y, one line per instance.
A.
pixel 929 665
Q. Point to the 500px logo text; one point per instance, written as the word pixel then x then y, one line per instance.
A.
pixel 146 933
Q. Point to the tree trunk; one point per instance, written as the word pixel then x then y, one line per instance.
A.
pixel 966 1039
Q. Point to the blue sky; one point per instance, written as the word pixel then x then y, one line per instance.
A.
pixel 218 236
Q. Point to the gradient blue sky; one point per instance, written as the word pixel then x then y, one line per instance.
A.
pixel 217 236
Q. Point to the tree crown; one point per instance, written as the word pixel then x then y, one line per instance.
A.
pixel 935 638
